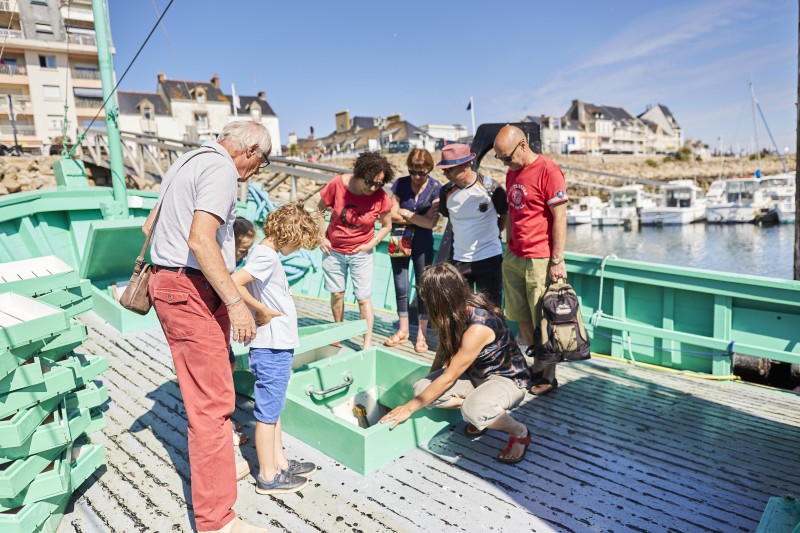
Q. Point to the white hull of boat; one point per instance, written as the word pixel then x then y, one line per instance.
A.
pixel 584 217
pixel 786 213
pixel 658 216
pixel 731 214
pixel 618 216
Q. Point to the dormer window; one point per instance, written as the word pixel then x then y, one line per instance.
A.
pixel 255 112
pixel 200 95
pixel 146 110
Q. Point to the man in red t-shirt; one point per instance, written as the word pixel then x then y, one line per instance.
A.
pixel 536 231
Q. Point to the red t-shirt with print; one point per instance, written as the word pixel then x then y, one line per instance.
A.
pixel 532 191
pixel 352 222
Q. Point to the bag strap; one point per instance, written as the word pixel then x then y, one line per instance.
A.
pixel 140 258
pixel 427 196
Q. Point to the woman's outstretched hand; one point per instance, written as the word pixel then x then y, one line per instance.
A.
pixel 398 415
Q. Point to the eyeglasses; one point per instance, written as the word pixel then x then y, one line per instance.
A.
pixel 266 162
pixel 507 158
pixel 418 172
pixel 374 184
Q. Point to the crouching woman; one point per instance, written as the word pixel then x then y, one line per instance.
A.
pixel 478 366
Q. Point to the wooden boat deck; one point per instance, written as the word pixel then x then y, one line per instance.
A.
pixel 616 448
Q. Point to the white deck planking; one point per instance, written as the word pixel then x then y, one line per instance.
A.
pixel 616 448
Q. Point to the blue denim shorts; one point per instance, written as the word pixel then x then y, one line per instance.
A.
pixel 272 369
pixel 337 266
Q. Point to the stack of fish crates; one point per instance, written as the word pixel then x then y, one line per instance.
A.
pixel 49 402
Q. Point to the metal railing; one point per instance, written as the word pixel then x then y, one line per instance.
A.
pixel 22 129
pixel 76 2
pixel 18 101
pixel 82 38
pixel 12 34
pixel 5 5
pixel 92 103
pixel 85 73
pixel 13 70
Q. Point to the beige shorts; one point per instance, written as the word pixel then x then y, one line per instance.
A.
pixel 524 281
pixel 482 403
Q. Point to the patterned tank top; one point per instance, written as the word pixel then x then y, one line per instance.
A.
pixel 502 356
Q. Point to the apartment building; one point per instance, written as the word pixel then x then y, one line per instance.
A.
pixel 50 57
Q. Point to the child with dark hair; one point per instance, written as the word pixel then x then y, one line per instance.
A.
pixel 244 234
pixel 264 288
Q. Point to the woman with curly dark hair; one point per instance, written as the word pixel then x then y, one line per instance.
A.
pixel 357 201
pixel 478 366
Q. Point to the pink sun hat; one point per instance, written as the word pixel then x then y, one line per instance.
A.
pixel 454 155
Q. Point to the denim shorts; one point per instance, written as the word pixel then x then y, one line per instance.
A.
pixel 272 369
pixel 336 267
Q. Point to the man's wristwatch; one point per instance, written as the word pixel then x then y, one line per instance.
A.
pixel 555 260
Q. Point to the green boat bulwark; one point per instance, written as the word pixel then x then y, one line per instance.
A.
pixel 680 318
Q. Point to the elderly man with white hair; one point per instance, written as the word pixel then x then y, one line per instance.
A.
pixel 198 305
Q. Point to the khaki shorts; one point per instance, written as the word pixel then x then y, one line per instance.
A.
pixel 482 403
pixel 524 281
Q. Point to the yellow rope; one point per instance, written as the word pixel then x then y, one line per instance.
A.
pixel 687 373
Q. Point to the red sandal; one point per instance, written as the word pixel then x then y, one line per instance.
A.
pixel 526 440
pixel 473 432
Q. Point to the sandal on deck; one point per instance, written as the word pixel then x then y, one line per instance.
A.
pixel 473 432
pixel 421 346
pixel 526 440
pixel 395 339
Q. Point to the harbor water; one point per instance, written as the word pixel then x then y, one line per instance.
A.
pixel 738 248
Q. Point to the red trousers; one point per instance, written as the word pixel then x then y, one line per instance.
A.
pixel 197 328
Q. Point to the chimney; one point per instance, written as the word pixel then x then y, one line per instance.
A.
pixel 262 95
pixel 215 81
pixel 581 111
pixel 342 121
pixel 161 76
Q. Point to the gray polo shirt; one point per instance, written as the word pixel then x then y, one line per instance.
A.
pixel 207 182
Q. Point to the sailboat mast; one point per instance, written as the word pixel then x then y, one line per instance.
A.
pixel 106 63
pixel 755 129
pixel 797 168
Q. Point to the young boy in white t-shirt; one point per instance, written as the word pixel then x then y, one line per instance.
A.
pixel 263 286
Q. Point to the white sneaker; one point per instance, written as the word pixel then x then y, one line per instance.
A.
pixel 242 470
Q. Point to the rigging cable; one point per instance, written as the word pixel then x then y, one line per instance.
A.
pixel 175 57
pixel 8 29
pixel 114 90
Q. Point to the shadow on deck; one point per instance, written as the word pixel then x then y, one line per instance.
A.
pixel 616 448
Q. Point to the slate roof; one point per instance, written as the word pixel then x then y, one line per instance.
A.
pixel 245 101
pixel 129 100
pixel 177 90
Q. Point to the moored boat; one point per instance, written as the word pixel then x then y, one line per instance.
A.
pixel 625 205
pixel 581 213
pixel 737 204
pixel 682 202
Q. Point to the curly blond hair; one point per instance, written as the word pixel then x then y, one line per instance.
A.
pixel 291 224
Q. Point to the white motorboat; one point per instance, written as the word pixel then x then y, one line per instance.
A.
pixel 776 197
pixel 581 213
pixel 738 204
pixel 786 210
pixel 682 202
pixel 624 206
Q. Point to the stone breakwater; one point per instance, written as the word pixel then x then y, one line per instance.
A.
pixel 28 173
pixel 19 174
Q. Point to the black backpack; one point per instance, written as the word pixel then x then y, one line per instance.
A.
pixel 560 335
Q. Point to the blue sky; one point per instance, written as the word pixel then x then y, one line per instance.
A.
pixel 425 59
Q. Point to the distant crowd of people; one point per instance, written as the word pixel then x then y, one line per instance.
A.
pixel 203 301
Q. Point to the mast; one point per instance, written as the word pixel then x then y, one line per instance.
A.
pixel 112 111
pixel 755 129
pixel 797 170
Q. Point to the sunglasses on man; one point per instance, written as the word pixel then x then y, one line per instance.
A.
pixel 507 158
